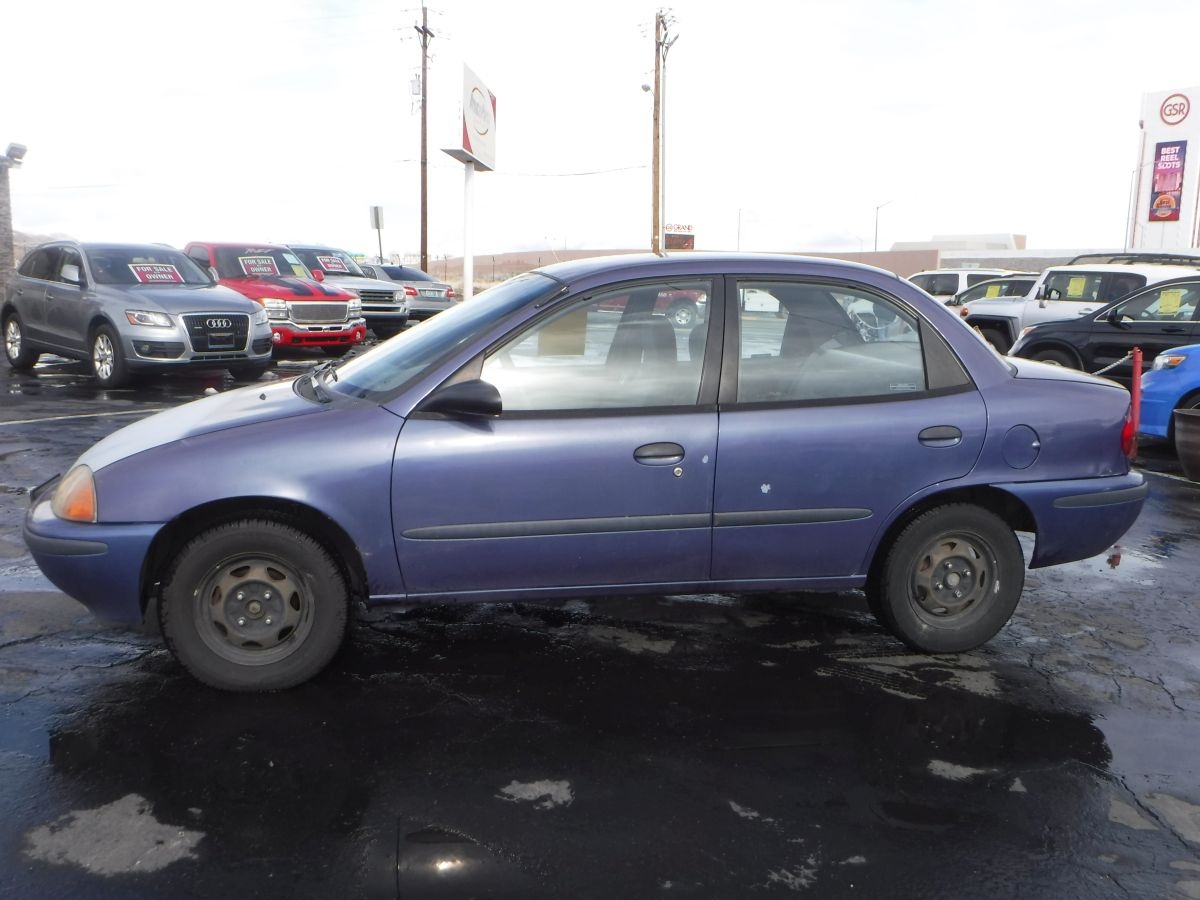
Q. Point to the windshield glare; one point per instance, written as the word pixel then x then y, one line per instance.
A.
pixel 382 371
pixel 331 262
pixel 161 266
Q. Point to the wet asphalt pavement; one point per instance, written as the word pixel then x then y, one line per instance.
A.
pixel 702 746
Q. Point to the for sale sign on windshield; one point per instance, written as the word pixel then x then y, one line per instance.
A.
pixel 258 265
pixel 155 273
pixel 332 264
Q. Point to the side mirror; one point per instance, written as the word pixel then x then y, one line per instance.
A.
pixel 318 275
pixel 1114 317
pixel 70 274
pixel 1040 293
pixel 467 399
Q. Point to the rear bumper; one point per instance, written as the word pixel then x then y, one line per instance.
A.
pixel 1080 518
pixel 98 565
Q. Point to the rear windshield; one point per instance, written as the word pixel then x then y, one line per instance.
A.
pixel 406 273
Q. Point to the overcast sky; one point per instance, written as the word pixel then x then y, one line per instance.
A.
pixel 285 120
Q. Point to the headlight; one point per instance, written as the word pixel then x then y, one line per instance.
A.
pixel 354 308
pixel 260 317
pixel 147 317
pixel 274 307
pixel 75 496
pixel 1168 360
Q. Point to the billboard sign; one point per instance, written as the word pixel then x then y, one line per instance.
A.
pixel 478 124
pixel 1167 188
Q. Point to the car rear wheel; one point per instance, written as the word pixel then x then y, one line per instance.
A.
pixel 254 605
pixel 682 314
pixel 108 363
pixel 20 355
pixel 1056 358
pixel 950 580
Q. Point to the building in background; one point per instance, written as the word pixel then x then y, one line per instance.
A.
pixel 1164 186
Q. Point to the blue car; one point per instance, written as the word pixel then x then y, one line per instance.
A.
pixel 1173 383
pixel 560 436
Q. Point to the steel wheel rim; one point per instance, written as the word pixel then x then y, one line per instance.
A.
pixel 12 339
pixel 682 316
pixel 253 610
pixel 953 578
pixel 103 357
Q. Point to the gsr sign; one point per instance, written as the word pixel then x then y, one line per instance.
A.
pixel 1175 109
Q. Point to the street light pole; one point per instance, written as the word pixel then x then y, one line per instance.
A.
pixel 11 159
pixel 426 36
pixel 877 209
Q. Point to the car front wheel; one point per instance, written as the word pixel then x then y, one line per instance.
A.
pixel 1056 358
pixel 950 580
pixel 254 605
pixel 16 348
pixel 107 362
pixel 682 314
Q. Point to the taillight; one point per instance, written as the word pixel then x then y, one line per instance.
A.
pixel 410 291
pixel 964 312
pixel 1129 436
pixel 450 292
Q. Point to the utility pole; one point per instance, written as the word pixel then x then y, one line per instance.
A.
pixel 662 45
pixel 426 36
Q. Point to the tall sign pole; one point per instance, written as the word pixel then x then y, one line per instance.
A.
pixel 426 36
pixel 477 153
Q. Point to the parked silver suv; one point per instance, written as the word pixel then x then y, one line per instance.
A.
pixel 426 295
pixel 384 305
pixel 129 308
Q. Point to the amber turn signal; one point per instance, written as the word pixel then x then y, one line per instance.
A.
pixel 75 496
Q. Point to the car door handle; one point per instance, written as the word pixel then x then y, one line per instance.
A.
pixel 663 453
pixel 1174 329
pixel 940 436
pixel 1086 312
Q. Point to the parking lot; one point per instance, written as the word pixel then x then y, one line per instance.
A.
pixel 694 746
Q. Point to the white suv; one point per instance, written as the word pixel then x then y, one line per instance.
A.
pixel 945 283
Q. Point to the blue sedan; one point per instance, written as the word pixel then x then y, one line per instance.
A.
pixel 1173 383
pixel 559 436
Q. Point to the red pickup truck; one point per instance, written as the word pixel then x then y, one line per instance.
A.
pixel 302 311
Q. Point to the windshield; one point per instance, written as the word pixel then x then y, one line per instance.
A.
pixel 258 262
pixel 142 265
pixel 382 371
pixel 331 262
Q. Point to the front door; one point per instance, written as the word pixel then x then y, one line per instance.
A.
pixel 843 409
pixel 66 314
pixel 599 471
pixel 1157 319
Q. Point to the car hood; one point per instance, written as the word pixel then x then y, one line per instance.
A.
pixel 182 299
pixel 362 284
pixel 1028 368
pixel 285 287
pixel 231 409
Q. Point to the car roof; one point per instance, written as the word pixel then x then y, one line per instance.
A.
pixel 267 245
pixel 968 269
pixel 1159 272
pixel 637 264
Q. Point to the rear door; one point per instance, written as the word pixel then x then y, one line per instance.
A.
pixel 1157 319
pixel 834 416
pixel 28 291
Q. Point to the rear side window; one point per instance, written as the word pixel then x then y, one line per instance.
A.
pixel 40 263
pixel 942 284
pixel 826 342
pixel 1080 287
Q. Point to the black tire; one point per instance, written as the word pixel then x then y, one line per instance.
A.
pixel 108 362
pixel 958 548
pixel 20 355
pixel 997 338
pixel 383 332
pixel 1056 358
pixel 248 373
pixel 682 314
pixel 1192 401
pixel 254 605
pixel 337 349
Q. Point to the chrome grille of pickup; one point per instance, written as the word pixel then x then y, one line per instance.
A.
pixel 377 296
pixel 317 312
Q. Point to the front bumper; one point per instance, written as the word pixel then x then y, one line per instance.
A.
pixel 162 348
pixel 289 334
pixel 100 565
pixel 1079 518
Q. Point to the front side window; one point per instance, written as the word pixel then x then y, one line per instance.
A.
pixel 1079 287
pixel 1171 303
pixel 826 342
pixel 616 350
pixel 69 267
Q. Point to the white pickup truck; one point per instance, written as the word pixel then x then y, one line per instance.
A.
pixel 1063 292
